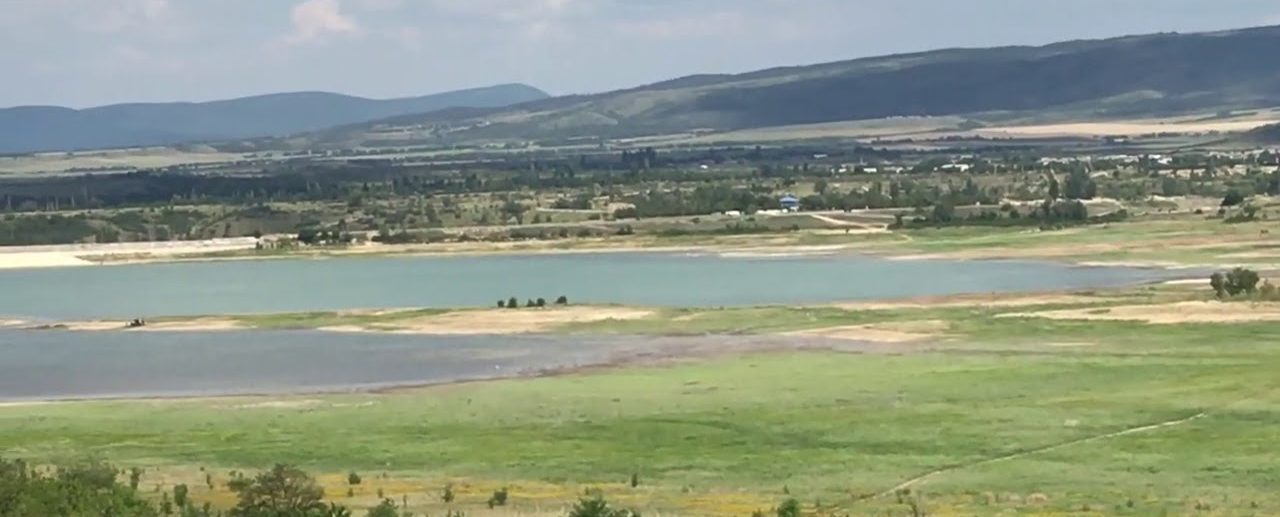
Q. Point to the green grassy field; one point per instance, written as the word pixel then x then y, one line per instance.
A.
pixel 1012 415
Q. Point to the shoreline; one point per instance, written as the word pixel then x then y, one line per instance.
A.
pixel 687 348
pixel 26 259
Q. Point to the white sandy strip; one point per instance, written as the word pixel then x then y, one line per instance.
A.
pixel 66 255
pixel 40 259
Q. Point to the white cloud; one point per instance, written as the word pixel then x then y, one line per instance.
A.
pixel 314 19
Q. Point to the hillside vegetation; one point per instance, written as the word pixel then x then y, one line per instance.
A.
pixel 1130 76
pixel 45 128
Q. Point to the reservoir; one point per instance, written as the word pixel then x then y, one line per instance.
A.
pixel 646 279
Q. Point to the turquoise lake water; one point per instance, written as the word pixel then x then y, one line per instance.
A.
pixel 196 288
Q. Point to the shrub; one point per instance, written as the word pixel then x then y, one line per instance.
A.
pixel 353 479
pixel 499 498
pixel 789 508
pixel 387 508
pixel 1267 291
pixel 135 477
pixel 1234 197
pixel 598 507
pixel 448 495
pixel 180 496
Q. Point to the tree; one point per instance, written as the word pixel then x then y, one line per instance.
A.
pixel 447 496
pixel 281 491
pixel 1219 284
pixel 1238 281
pixel 944 211
pixel 1233 198
pixel 542 302
pixel 502 304
pixel 821 187
pixel 513 303
pixel 1053 187
pixel 80 491
pixel 563 300
pixel 353 479
pixel 1080 185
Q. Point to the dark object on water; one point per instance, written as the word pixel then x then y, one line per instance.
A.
pixel 136 323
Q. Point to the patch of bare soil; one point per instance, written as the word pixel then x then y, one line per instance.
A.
pixel 1168 314
pixel 194 325
pixel 523 321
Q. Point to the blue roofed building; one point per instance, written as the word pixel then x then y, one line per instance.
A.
pixel 790 203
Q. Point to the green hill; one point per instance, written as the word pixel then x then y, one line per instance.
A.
pixel 1122 77
pixel 43 128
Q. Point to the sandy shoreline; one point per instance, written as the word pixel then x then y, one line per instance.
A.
pixel 79 255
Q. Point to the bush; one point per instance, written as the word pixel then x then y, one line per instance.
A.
pixel 180 496
pixel 387 508
pixel 789 508
pixel 448 495
pixel 1234 197
pixel 499 498
pixel 598 507
pixel 353 479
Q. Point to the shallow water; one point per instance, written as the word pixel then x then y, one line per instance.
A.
pixel 53 365
pixel 196 288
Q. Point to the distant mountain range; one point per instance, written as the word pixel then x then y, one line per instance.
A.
pixel 1131 76
pixel 44 128
pixel 1127 77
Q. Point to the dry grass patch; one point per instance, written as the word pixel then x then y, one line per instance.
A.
pixel 885 333
pixel 1168 314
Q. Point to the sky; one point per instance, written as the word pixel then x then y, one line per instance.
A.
pixel 82 53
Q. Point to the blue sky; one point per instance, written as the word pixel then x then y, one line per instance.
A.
pixel 90 52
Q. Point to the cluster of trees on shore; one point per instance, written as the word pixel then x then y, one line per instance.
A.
pixel 514 303
pixel 1242 284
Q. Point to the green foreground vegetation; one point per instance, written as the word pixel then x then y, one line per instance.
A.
pixel 1001 413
